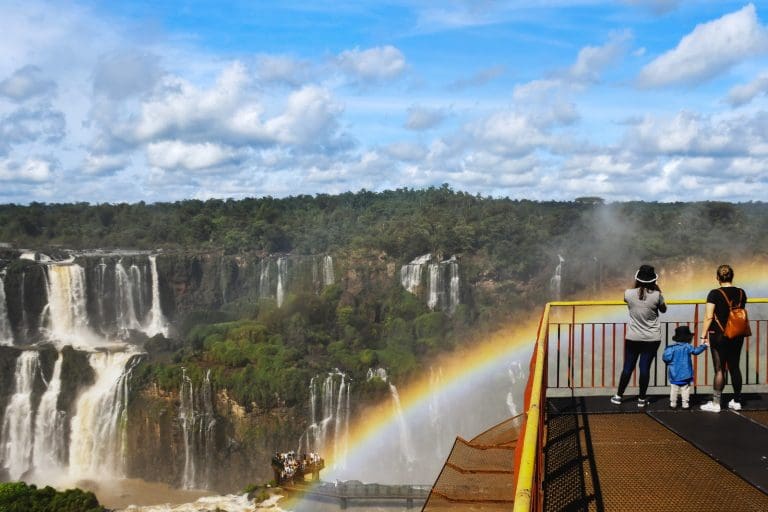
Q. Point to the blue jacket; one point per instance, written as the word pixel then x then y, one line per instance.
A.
pixel 678 357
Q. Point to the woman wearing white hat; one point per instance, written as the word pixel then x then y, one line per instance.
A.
pixel 643 339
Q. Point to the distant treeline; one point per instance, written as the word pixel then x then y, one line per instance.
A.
pixel 518 235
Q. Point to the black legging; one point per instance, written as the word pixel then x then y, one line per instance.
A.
pixel 646 352
pixel 726 351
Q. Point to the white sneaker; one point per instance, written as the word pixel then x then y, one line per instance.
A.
pixel 734 405
pixel 616 399
pixel 686 406
pixel 711 407
pixel 673 405
pixel 641 402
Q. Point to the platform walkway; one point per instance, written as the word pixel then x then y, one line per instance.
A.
pixel 601 457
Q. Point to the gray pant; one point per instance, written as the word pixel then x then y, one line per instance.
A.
pixel 685 393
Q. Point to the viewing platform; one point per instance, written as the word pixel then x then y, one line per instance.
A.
pixel 574 450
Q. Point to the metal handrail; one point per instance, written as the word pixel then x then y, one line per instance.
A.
pixel 528 453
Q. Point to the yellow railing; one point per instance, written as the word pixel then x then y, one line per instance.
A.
pixel 527 471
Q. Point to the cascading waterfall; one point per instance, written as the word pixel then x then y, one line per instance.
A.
pixel 66 310
pixel 436 408
pixel 454 286
pixel 101 284
pixel 410 274
pixel 406 445
pixel 282 279
pixel 555 281
pixel 22 302
pixel 197 424
pixel 264 279
pixel 50 446
pixel 6 334
pixel 332 424
pixel 328 276
pixel 96 447
pixel 442 292
pixel 125 309
pixel 16 438
pixel 156 323
pixel 435 286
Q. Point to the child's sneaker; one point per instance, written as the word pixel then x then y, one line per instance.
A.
pixel 711 407
pixel 673 405
pixel 686 406
pixel 616 399
pixel 734 405
pixel 641 402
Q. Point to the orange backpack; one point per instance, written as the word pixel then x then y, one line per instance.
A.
pixel 737 324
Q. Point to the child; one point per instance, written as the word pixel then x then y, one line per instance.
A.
pixel 678 358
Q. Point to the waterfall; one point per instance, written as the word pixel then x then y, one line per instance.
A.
pixel 197 425
pixel 97 441
pixel 22 303
pixel 554 282
pixel 436 408
pixel 50 427
pixel 6 335
pixel 282 279
pixel 410 274
pixel 435 286
pixel 328 276
pixel 454 285
pixel 264 279
pixel 332 402
pixel 406 446
pixel 101 284
pixel 67 314
pixel 16 437
pixel 125 310
pixel 156 323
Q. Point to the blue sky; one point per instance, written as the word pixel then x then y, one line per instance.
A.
pixel 656 100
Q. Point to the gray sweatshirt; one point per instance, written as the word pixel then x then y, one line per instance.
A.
pixel 644 324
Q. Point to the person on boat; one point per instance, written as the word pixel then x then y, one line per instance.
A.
pixel 725 351
pixel 643 337
pixel 680 368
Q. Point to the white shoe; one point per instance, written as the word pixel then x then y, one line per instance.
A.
pixel 616 399
pixel 642 402
pixel 711 407
pixel 734 405
pixel 673 405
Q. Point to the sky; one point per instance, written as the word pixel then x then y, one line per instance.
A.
pixel 653 100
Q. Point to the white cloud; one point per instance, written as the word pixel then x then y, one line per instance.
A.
pixel 309 117
pixel 406 151
pixel 743 94
pixel 28 124
pixel 125 73
pixel 192 157
pixel 693 134
pixel 106 164
pixel 479 78
pixel 593 60
pixel 34 170
pixel 374 64
pixel 282 69
pixel 424 118
pixel 709 50
pixel 26 82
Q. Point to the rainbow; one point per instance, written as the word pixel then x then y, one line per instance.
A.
pixel 463 369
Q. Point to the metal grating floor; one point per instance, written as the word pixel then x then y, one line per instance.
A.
pixel 630 462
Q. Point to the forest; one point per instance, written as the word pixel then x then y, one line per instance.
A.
pixel 265 355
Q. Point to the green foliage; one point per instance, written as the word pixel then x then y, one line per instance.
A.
pixel 20 497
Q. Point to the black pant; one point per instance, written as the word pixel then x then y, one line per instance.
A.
pixel 726 351
pixel 646 352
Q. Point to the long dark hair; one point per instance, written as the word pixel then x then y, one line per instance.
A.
pixel 646 287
